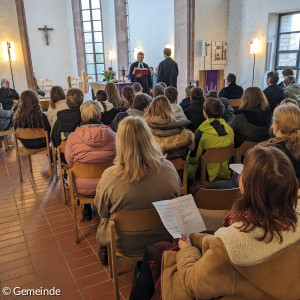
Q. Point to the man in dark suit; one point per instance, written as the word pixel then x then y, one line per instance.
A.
pixel 194 110
pixel 273 92
pixel 144 80
pixel 8 97
pixel 168 70
pixel 232 91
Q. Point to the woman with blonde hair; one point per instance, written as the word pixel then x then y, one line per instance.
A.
pixel 113 95
pixel 253 118
pixel 286 128
pixel 129 184
pixel 171 135
pixel 57 103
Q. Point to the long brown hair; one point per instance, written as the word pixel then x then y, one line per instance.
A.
pixel 160 107
pixel 113 95
pixel 128 93
pixel 56 94
pixel 29 113
pixel 254 97
pixel 269 193
pixel 287 118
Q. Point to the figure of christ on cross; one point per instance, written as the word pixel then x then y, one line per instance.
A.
pixel 46 29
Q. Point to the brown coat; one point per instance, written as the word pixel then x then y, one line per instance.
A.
pixel 114 194
pixel 266 272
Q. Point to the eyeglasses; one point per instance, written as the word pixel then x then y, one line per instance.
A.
pixel 6 82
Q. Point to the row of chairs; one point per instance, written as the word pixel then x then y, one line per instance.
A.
pixel 45 84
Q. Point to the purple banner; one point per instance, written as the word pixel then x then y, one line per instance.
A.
pixel 211 80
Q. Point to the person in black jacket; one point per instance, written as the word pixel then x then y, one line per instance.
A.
pixel 68 119
pixel 253 118
pixel 186 101
pixel 144 80
pixel 30 115
pixel 232 91
pixel 194 111
pixel 8 97
pixel 273 92
pixel 168 70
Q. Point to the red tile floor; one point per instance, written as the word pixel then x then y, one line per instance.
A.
pixel 37 247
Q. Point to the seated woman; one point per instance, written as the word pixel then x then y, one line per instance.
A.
pixel 128 96
pixel 286 128
pixel 139 177
pixel 67 119
pixel 291 89
pixel 30 115
pixel 108 111
pixel 113 95
pixel 171 135
pixel 57 103
pixel 91 142
pixel 256 254
pixel 212 133
pixel 253 118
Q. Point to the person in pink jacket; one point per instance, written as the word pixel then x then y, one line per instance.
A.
pixel 91 142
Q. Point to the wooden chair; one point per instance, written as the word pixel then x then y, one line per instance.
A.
pixel 213 205
pixel 241 151
pixel 214 155
pixel 40 83
pixel 235 102
pixel 90 79
pixel 29 134
pixel 5 133
pixel 180 164
pixel 84 171
pixel 74 81
pixel 47 84
pixel 130 221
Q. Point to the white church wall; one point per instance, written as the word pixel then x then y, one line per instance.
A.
pixel 151 28
pixel 249 19
pixel 109 33
pixel 9 31
pixel 57 59
pixel 211 25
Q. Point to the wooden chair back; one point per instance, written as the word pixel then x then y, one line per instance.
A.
pixel 180 164
pixel 215 155
pixel 30 134
pixel 128 220
pixel 5 133
pixel 216 199
pixel 84 171
pixel 235 102
pixel 214 205
pixel 241 151
pixel 40 83
pixel 90 171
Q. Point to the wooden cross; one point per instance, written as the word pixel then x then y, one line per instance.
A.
pixel 46 29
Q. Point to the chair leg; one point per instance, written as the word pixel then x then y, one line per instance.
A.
pixel 5 143
pixel 115 278
pixel 19 167
pixel 74 221
pixel 54 163
pixel 109 262
pixel 80 213
pixel 63 192
pixel 30 163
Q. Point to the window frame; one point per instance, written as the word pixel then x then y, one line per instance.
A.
pixel 90 9
pixel 278 52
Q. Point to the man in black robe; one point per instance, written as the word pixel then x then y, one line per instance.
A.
pixel 168 70
pixel 144 80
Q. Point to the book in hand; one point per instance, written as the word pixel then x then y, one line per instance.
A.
pixel 180 215
pixel 237 168
pixel 140 71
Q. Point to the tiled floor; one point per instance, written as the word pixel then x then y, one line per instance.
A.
pixel 37 247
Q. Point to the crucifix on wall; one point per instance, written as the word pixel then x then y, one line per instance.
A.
pixel 46 29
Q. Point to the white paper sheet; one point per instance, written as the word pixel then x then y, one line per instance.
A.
pixel 237 168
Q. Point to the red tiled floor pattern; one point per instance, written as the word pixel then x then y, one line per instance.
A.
pixel 36 238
